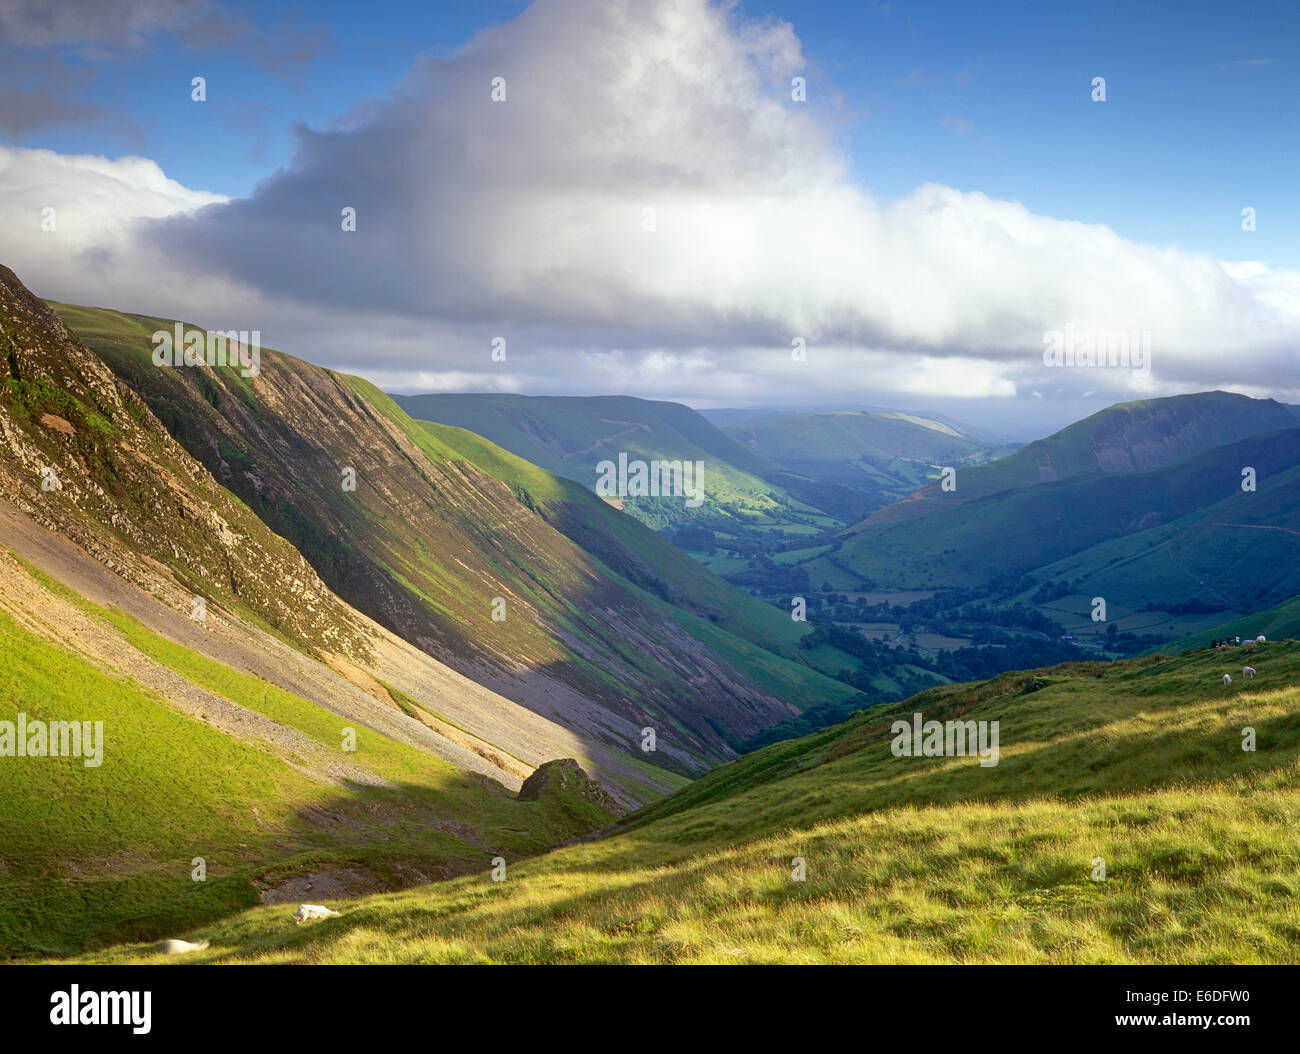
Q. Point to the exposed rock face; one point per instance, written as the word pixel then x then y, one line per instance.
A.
pixel 565 776
pixel 82 455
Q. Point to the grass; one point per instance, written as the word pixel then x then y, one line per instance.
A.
pixel 94 856
pixel 910 860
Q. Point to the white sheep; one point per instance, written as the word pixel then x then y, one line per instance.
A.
pixel 1227 679
pixel 1259 639
pixel 1249 671
pixel 179 947
pixel 308 912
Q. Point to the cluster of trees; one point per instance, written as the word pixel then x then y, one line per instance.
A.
pixel 1020 653
pixel 1050 591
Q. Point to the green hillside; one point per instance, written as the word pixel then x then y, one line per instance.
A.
pixel 1127 437
pixel 635 553
pixel 1194 509
pixel 1280 622
pixel 1138 763
pixel 570 436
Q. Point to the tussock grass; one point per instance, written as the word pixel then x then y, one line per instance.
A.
pixel 910 859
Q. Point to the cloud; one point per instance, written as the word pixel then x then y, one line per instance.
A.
pixel 121 24
pixel 93 252
pixel 41 91
pixel 649 212
pixel 103 30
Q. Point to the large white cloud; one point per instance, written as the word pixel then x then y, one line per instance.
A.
pixel 527 218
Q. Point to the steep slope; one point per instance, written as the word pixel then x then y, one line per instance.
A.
pixel 195 765
pixel 1194 510
pixel 570 436
pixel 628 548
pixel 912 859
pixel 132 520
pixel 83 456
pixel 274 732
pixel 886 455
pixel 1127 437
pixel 431 546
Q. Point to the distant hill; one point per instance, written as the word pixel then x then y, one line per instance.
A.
pixel 570 436
pixel 885 455
pixel 1182 530
pixel 1126 437
pixel 725 417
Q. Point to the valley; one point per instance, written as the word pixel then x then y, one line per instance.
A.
pixel 469 617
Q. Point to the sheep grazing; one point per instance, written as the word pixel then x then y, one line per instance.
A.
pixel 1259 639
pixel 1249 671
pixel 1227 679
pixel 308 912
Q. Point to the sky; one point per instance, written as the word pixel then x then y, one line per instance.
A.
pixel 806 205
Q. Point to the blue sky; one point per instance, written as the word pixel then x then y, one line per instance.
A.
pixel 1202 114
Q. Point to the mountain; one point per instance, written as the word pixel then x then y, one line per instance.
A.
pixel 221 705
pixel 885 455
pixel 746 495
pixel 1185 529
pixel 832 848
pixel 468 568
pixel 1127 437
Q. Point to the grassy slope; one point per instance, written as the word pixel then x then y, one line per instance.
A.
pixel 729 621
pixel 910 859
pixel 966 544
pixel 571 435
pixel 1127 437
pixel 633 551
pixel 96 855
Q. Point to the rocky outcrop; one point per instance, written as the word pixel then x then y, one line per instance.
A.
pixel 564 777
